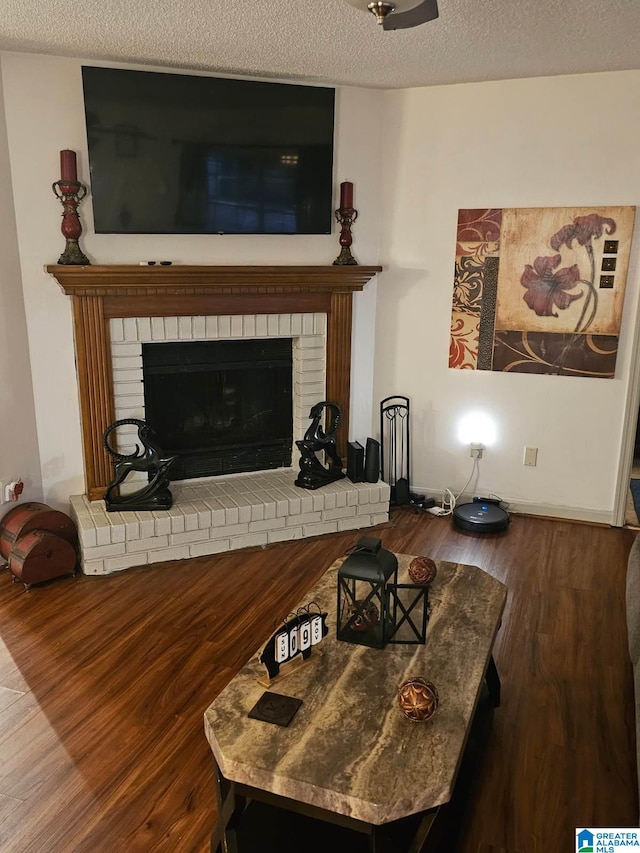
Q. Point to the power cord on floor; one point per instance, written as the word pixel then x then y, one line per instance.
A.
pixel 449 500
pixel 447 504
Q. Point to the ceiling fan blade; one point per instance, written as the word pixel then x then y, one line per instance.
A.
pixel 420 14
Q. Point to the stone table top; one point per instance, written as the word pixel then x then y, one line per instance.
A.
pixel 349 749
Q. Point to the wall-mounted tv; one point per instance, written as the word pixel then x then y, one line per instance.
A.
pixel 183 154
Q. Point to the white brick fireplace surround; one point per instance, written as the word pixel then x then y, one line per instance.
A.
pixel 117 308
pixel 218 514
pixel 307 331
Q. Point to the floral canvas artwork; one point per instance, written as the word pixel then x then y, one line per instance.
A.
pixel 540 290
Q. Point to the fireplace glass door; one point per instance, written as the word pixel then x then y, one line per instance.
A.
pixel 221 407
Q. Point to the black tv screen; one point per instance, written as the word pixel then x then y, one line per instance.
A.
pixel 181 154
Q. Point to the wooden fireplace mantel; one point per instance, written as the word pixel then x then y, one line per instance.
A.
pixel 136 280
pixel 101 293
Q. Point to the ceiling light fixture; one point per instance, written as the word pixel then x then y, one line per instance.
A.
pixel 399 14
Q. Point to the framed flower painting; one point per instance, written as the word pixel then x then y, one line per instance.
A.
pixel 540 290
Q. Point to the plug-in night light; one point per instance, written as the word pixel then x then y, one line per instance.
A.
pixel 477 428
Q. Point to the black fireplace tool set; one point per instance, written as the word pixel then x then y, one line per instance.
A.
pixel 395 453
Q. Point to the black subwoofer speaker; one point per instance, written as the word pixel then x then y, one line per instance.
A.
pixel 355 461
pixel 372 461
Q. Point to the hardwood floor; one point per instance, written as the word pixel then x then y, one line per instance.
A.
pixel 104 681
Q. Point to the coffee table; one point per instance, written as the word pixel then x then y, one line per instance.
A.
pixel 350 757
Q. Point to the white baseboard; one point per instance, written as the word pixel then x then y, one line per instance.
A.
pixel 571 513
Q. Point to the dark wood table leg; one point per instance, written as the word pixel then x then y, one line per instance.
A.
pixel 230 808
pixel 379 841
pixel 493 682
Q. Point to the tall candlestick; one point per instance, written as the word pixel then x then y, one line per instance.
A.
pixel 346 194
pixel 70 193
pixel 68 168
pixel 346 216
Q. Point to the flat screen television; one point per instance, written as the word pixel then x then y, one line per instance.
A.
pixel 183 154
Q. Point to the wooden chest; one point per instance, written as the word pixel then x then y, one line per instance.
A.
pixel 41 556
pixel 34 516
pixel 38 542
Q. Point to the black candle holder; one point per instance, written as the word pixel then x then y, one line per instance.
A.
pixel 346 216
pixel 70 194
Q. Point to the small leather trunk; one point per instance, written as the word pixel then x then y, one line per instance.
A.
pixel 38 542
pixel 41 556
pixel 30 516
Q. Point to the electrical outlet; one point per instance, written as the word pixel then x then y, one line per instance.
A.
pixel 11 491
pixel 476 451
pixel 530 456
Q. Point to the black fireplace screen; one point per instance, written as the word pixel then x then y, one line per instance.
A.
pixel 221 406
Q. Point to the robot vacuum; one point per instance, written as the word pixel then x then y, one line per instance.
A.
pixel 481 516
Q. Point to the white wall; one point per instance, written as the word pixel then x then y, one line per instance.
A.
pixel 558 141
pixel 44 109
pixel 18 440
pixel 563 141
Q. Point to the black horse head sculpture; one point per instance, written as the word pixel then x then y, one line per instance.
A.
pixel 313 473
pixel 148 459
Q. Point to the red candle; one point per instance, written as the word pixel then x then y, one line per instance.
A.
pixel 68 170
pixel 346 194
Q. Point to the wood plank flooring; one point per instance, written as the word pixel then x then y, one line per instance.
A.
pixel 104 681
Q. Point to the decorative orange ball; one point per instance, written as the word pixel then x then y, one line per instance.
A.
pixel 418 699
pixel 422 570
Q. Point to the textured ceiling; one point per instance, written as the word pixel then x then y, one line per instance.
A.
pixel 330 41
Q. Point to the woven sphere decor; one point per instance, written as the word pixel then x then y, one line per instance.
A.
pixel 422 570
pixel 367 618
pixel 418 699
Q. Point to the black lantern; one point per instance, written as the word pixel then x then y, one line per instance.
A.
pixel 364 614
